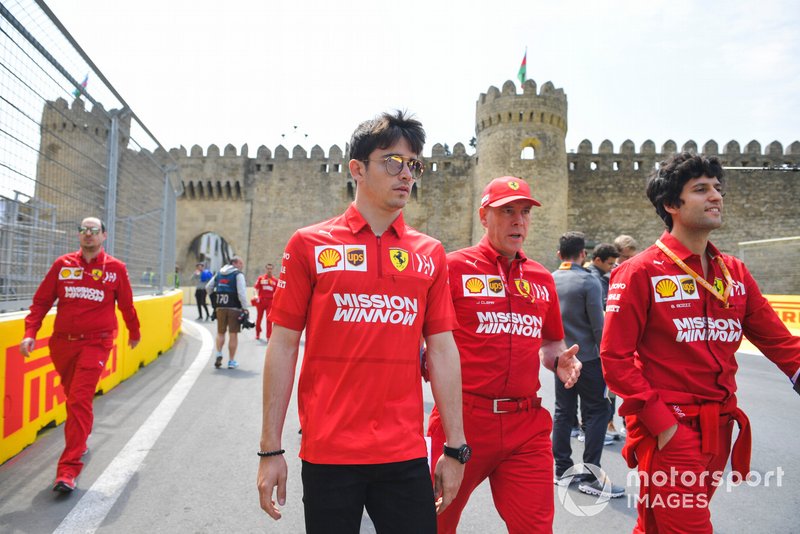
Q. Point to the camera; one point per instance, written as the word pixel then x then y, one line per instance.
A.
pixel 244 320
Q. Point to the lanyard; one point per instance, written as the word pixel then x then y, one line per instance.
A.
pixel 699 279
pixel 523 287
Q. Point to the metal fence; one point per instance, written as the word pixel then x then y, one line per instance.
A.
pixel 71 147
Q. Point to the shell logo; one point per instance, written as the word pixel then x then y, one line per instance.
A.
pixel 329 257
pixel 65 273
pixel 688 286
pixel 666 288
pixel 474 285
pixel 513 185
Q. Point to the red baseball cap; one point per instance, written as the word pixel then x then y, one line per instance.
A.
pixel 501 191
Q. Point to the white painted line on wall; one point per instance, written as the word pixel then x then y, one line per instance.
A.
pixel 95 504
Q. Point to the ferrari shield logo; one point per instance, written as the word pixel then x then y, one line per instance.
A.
pixel 399 258
pixel 523 286
pixel 718 285
pixel 97 274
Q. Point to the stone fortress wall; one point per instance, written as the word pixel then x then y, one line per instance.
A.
pixel 255 202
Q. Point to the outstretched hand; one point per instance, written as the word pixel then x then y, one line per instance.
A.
pixel 569 367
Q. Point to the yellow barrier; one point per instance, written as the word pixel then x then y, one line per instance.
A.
pixel 31 389
pixel 788 309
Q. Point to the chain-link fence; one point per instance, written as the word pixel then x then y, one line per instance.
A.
pixel 71 147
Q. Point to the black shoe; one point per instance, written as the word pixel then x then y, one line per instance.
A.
pixel 64 485
pixel 218 362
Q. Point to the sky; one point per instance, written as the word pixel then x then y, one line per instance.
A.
pixel 203 72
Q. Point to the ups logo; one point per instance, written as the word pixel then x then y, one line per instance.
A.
pixel 355 256
pixel 495 285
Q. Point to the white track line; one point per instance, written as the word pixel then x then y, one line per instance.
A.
pixel 95 504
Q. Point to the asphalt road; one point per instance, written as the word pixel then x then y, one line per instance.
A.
pixel 173 450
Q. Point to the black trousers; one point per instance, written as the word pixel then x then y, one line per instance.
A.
pixel 594 408
pixel 200 297
pixel 398 497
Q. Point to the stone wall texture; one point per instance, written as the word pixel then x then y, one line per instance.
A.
pixel 257 202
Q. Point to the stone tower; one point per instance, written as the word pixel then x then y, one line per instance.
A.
pixel 524 135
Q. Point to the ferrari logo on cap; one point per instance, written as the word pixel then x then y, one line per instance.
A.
pixel 399 258
pixel 513 185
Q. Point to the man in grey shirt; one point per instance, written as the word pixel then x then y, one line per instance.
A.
pixel 580 297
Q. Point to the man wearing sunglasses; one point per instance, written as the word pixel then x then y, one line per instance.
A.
pixel 509 318
pixel 87 284
pixel 366 287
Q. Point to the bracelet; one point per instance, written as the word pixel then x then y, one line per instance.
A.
pixel 271 453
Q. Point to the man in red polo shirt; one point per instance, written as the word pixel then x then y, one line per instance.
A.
pixel 675 317
pixel 366 287
pixel 87 284
pixel 508 316
pixel 265 288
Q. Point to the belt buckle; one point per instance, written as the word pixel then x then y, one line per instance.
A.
pixel 494 405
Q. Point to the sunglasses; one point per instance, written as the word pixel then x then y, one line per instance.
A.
pixel 394 166
pixel 86 230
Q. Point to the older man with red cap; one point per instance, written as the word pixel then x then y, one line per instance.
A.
pixel 509 318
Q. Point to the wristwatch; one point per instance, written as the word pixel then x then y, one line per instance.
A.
pixel 462 453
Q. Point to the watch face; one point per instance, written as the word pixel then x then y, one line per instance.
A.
pixel 464 453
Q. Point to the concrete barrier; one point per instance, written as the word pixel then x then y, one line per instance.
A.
pixel 31 389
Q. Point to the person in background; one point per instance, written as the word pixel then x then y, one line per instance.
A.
pixel 200 277
pixel 88 285
pixel 229 291
pixel 580 299
pixel 265 291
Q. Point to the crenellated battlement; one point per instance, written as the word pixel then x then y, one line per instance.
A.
pixel 60 117
pixel 628 159
pixel 507 108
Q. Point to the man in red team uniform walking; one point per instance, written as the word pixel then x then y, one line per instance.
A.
pixel 675 317
pixel 265 287
pixel 87 284
pixel 509 317
pixel 366 287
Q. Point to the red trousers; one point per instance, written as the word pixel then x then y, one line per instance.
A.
pixel 514 452
pixel 676 489
pixel 262 307
pixel 79 364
